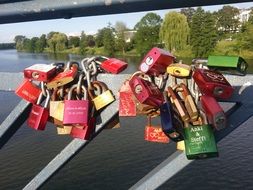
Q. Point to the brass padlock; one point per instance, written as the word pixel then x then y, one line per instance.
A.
pixel 176 100
pixel 179 70
pixel 56 105
pixel 103 99
pixel 188 102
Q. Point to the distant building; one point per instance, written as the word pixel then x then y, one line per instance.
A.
pixel 244 15
pixel 129 35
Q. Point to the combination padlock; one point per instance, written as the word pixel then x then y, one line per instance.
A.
pixel 156 61
pixel 214 112
pixel 212 83
pixel 40 72
pixel 64 77
pixel 200 141
pixel 146 92
pixel 111 65
pixel 38 116
pixel 76 111
pixel 28 91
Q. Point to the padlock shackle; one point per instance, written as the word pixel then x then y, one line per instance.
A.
pixel 39 101
pixel 75 86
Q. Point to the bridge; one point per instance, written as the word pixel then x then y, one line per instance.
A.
pixel 240 107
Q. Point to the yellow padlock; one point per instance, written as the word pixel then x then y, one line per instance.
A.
pixel 64 130
pixel 56 105
pixel 179 70
pixel 180 145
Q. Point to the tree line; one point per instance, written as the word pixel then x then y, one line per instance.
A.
pixel 193 32
pixel 7 45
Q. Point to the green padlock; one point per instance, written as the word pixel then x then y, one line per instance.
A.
pixel 200 142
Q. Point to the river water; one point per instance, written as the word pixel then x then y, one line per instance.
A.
pixel 117 158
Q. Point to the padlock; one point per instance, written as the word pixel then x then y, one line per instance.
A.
pixel 76 111
pixel 176 100
pixel 146 92
pixel 179 70
pixel 180 145
pixel 155 133
pixel 39 115
pixel 127 106
pixel 103 99
pixel 171 123
pixel 56 106
pixel 188 102
pixel 28 91
pixel 212 83
pixel 84 132
pixel 111 65
pixel 156 61
pixel 214 112
pixel 40 72
pixel 200 141
pixel 64 77
pixel 63 130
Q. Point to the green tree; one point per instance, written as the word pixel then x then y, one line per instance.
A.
pixel 99 37
pixel 43 41
pixel 58 42
pixel 90 41
pixel 82 43
pixel 203 34
pixel 174 31
pixel 227 19
pixel 109 41
pixel 188 12
pixel 74 41
pixel 120 28
pixel 147 35
pixel 19 41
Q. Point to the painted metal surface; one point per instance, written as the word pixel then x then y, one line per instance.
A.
pixel 20 11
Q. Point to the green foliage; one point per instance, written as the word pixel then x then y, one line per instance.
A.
pixel 147 35
pixel 120 29
pixel 74 41
pixel 82 43
pixel 57 42
pixel 174 31
pixel 109 41
pixel 90 41
pixel 7 45
pixel 203 35
pixel 227 20
pixel 188 12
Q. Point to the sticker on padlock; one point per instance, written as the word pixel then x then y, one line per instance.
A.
pixel 28 91
pixel 40 72
pixel 156 61
pixel 111 65
pixel 64 77
pixel 212 83
pixel 127 106
pixel 188 102
pixel 179 70
pixel 102 100
pixel 176 100
pixel 200 141
pixel 84 132
pixel 214 112
pixel 155 133
pixel 39 114
pixel 146 92
pixel 171 123
pixel 76 111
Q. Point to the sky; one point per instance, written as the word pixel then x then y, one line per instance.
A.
pixel 89 24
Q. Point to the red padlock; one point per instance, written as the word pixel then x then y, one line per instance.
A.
pixel 28 91
pixel 39 115
pixel 146 92
pixel 155 133
pixel 111 65
pixel 64 77
pixel 76 111
pixel 212 83
pixel 214 112
pixel 84 132
pixel 40 72
pixel 127 105
pixel 156 61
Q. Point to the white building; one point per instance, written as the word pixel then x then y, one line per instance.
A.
pixel 244 15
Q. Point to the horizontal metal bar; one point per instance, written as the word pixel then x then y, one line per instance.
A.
pixel 47 9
